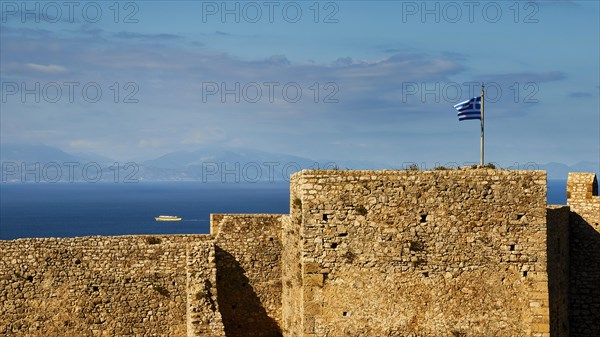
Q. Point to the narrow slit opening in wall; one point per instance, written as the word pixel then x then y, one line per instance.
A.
pixel 512 248
pixel 423 218
pixel 525 274
pixel 325 217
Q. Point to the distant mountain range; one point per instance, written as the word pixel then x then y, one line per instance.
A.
pixel 41 163
pixel 49 164
pixel 560 171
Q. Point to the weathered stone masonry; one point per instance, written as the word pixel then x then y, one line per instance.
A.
pixel 438 253
pixel 94 286
pixel 248 249
pixel 167 285
pixel 468 252
pixel 584 294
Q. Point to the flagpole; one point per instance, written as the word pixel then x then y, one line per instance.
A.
pixel 482 122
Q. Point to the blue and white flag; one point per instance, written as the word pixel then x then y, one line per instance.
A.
pixel 470 109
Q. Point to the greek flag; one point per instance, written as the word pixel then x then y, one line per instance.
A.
pixel 470 109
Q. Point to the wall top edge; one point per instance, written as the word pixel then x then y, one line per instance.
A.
pixel 484 171
pixel 249 215
pixel 109 238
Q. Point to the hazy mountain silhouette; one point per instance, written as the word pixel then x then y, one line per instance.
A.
pixel 34 153
pixel 214 163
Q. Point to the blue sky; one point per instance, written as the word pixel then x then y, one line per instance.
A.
pixel 378 78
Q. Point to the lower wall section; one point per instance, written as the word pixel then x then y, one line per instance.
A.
pixel 228 283
pixel 584 296
pixel 292 277
pixel 248 251
pixel 557 218
pixel 94 286
pixel 203 316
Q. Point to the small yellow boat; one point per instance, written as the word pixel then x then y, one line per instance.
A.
pixel 167 218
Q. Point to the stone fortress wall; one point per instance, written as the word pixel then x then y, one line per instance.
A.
pixel 584 287
pixel 438 253
pixel 96 286
pixel 467 252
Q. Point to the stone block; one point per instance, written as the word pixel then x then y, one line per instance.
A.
pixel 313 308
pixel 311 280
pixel 312 267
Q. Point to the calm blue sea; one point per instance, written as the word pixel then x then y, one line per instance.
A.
pixel 69 210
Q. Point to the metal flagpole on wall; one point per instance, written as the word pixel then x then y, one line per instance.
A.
pixel 482 117
pixel 469 110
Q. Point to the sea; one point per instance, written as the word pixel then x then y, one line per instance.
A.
pixel 33 210
pixel 81 209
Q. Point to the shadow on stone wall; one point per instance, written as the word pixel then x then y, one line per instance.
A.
pixel 241 309
pixel 584 278
pixel 557 252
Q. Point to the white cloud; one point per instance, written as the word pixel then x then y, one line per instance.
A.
pixel 49 69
